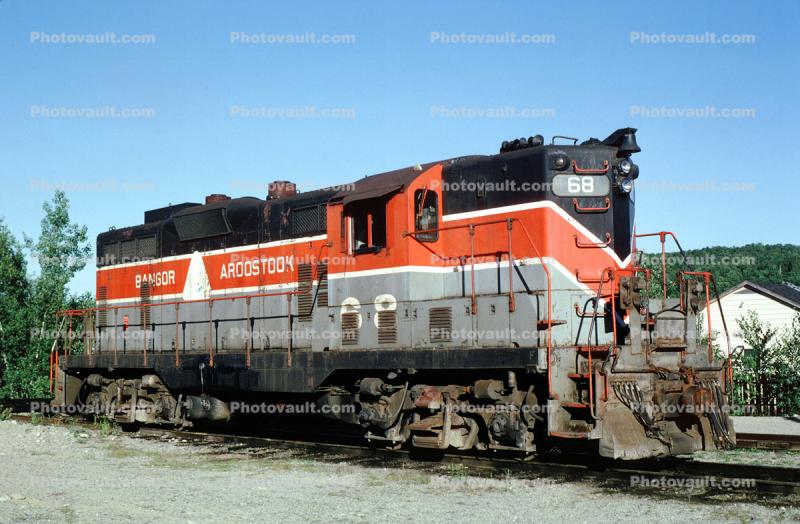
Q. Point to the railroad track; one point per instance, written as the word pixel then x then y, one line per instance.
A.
pixel 673 477
pixel 669 476
pixel 768 441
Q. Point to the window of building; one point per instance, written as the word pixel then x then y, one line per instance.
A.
pixel 426 214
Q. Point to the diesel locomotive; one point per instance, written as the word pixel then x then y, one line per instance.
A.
pixel 476 303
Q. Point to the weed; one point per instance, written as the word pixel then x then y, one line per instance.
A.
pixel 457 471
pixel 105 426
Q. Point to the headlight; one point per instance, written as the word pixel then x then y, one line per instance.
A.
pixel 626 185
pixel 559 161
pixel 625 166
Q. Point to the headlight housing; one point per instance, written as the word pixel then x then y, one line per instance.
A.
pixel 625 185
pixel 559 161
pixel 626 168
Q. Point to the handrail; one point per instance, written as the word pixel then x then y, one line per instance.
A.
pixel 549 310
pixel 471 227
pixel 590 171
pixel 585 245
pixel 79 312
pixel 509 221
pixel 662 237
pixel 589 280
pixel 54 357
pixel 708 277
pixel 584 314
pixel 70 313
pixel 581 209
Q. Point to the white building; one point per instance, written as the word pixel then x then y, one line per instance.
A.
pixel 776 304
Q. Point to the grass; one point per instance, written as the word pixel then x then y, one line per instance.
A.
pixel 5 413
pixel 458 471
pixel 105 426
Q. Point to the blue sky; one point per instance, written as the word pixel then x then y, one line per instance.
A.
pixel 392 84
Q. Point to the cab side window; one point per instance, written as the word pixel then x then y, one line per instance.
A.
pixel 426 215
pixel 367 226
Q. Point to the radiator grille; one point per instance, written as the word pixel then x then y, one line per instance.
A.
pixel 308 220
pixel 210 223
pixel 127 251
pixel 102 315
pixel 440 324
pixel 387 327
pixel 144 311
pixel 305 300
pixel 110 253
pixel 350 329
pixel 147 248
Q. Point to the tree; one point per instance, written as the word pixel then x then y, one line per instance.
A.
pixel 768 368
pixel 14 295
pixel 61 250
pixel 787 380
pixel 777 263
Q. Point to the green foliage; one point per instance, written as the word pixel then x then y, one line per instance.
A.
pixel 14 294
pixel 768 370
pixel 730 265
pixel 29 304
pixel 105 426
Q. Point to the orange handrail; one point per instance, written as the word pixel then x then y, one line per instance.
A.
pixel 549 310
pixel 509 221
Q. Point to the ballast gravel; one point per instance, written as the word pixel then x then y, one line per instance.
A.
pixel 74 474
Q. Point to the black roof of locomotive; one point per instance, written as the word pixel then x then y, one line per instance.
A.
pixel 380 184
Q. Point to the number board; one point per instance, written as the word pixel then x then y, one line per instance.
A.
pixel 580 186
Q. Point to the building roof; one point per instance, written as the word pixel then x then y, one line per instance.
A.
pixel 784 293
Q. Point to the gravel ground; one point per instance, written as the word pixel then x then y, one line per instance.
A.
pixel 74 474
